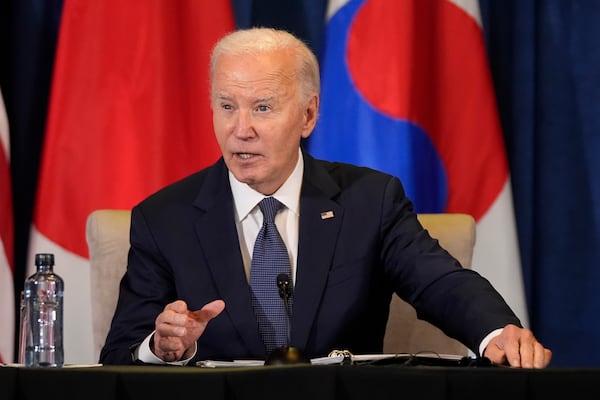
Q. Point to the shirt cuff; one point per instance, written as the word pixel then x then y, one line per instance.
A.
pixel 144 354
pixel 486 340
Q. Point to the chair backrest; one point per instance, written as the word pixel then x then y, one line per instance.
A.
pixel 107 233
pixel 405 333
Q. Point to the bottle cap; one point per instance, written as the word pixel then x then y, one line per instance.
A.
pixel 44 259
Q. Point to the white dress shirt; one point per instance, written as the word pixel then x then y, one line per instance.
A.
pixel 249 218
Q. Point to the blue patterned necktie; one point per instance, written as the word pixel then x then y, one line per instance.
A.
pixel 269 259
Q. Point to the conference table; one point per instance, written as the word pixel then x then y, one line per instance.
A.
pixel 306 382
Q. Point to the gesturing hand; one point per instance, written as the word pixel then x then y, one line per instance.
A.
pixel 178 329
pixel 519 348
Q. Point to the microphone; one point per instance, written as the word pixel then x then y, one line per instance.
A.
pixel 287 354
pixel 285 291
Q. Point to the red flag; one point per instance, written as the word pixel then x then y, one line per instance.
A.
pixel 129 113
pixel 7 316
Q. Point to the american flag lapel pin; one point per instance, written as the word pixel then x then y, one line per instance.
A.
pixel 327 214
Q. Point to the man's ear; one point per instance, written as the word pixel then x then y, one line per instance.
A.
pixel 311 113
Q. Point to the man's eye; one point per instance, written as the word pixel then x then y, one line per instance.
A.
pixel 227 107
pixel 262 108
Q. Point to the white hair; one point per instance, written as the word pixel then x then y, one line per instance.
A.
pixel 261 40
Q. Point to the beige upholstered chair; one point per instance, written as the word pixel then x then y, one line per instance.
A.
pixel 405 333
pixel 107 234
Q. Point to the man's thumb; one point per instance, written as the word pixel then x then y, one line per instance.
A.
pixel 208 312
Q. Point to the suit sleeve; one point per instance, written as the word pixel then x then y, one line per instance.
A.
pixel 457 300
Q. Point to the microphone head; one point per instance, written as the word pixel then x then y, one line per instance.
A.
pixel 283 280
pixel 283 283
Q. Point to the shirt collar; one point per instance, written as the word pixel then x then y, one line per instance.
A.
pixel 245 198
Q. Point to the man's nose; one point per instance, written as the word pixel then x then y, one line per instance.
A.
pixel 244 125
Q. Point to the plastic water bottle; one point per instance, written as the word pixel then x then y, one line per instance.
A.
pixel 44 292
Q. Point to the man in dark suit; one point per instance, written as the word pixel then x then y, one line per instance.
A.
pixel 351 235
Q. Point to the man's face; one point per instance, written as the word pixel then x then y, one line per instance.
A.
pixel 259 116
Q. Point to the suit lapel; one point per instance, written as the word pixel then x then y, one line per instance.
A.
pixel 219 241
pixel 320 222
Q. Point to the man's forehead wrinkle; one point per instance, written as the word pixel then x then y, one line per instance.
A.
pixel 264 88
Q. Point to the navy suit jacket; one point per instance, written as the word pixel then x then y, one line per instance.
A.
pixel 184 245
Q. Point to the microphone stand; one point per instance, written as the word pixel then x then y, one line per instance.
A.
pixel 287 354
pixel 285 294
